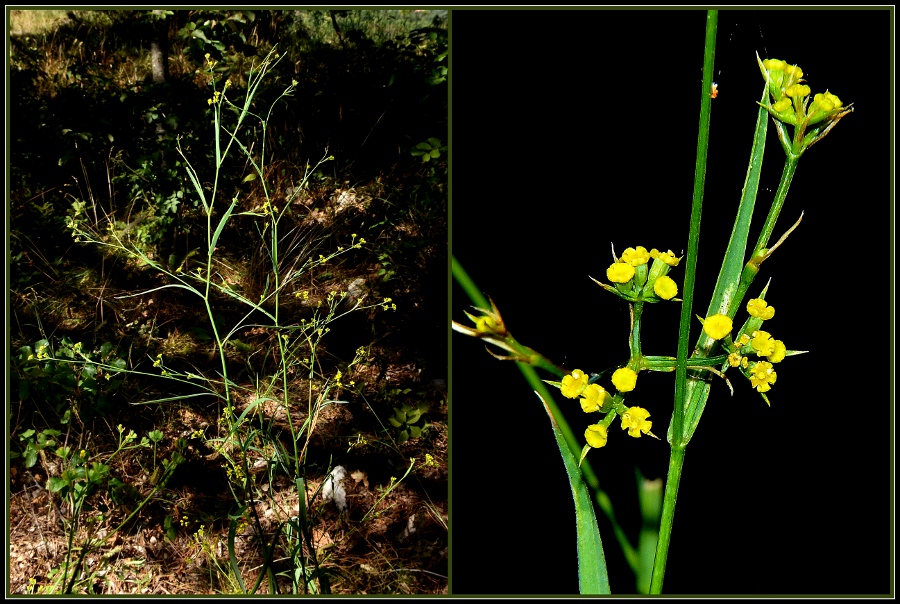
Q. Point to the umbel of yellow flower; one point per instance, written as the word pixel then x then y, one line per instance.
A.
pixel 777 355
pixel 763 343
pixel 668 257
pixel 574 384
pixel 762 376
pixel 717 326
pixel 620 272
pixel 635 421
pixel 636 257
pixel 595 435
pixel 593 398
pixel 665 288
pixel 760 309
pixel 624 379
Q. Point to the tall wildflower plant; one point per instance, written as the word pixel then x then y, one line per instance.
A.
pixel 245 439
pixel 736 345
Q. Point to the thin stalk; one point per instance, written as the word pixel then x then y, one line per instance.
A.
pixel 760 253
pixel 637 309
pixel 673 479
pixel 676 459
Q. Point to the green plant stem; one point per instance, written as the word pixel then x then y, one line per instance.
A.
pixel 673 479
pixel 787 175
pixel 637 309
pixel 676 459
pixel 690 271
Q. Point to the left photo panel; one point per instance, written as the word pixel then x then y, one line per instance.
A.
pixel 227 302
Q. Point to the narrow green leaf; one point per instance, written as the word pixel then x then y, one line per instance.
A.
pixel 733 264
pixel 724 298
pixel 215 237
pixel 193 175
pixel 592 573
pixel 232 558
pixel 172 398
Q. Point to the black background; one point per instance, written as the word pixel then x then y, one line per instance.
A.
pixel 575 129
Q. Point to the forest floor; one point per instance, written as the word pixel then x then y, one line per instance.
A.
pixel 392 536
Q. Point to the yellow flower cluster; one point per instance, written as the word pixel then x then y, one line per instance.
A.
pixel 761 373
pixel 594 398
pixel 790 98
pixel 635 281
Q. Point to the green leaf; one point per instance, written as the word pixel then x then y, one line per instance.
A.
pixel 215 238
pixel 169 526
pixel 232 558
pixel 592 573
pixel 240 345
pixel 56 484
pixel 30 455
pixel 725 298
pixel 250 177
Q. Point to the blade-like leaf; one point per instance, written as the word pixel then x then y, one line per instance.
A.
pixel 215 237
pixel 592 573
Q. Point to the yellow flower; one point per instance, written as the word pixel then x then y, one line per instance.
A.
pixel 595 435
pixel 734 359
pixel 797 90
pixel 594 397
pixel 668 257
pixel 762 376
pixel 777 355
pixel 665 288
pixel 760 308
pixel 574 384
pixel 763 343
pixel 717 326
pixel 624 379
pixel 782 105
pixel 636 257
pixel 620 272
pixel 635 421
pixel 823 106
